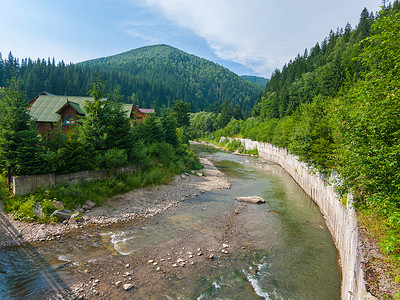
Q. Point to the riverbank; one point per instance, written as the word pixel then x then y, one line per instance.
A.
pixel 137 204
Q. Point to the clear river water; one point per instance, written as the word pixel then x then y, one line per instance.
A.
pixel 293 252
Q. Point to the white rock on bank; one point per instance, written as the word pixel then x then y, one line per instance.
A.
pixel 127 286
pixel 251 199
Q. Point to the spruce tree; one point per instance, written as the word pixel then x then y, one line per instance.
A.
pixel 93 131
pixel 150 131
pixel 181 112
pixel 118 129
pixel 19 142
pixel 170 124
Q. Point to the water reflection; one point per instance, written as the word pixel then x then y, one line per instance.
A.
pixel 24 272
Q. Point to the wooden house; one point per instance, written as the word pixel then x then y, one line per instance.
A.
pixel 51 110
pixel 141 113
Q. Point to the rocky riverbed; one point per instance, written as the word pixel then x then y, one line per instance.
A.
pixel 148 271
pixel 137 204
pixel 147 274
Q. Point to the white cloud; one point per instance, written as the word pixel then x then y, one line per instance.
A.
pixel 260 34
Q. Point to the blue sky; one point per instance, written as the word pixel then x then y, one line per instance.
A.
pixel 247 36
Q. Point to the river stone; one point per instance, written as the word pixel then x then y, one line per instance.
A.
pixel 62 213
pixel 251 199
pixel 38 210
pixel 72 222
pixel 127 286
pixel 40 235
pixel 86 218
pixel 57 204
pixel 89 203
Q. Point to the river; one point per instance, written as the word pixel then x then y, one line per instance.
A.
pixel 277 250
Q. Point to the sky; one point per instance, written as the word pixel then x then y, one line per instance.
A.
pixel 249 37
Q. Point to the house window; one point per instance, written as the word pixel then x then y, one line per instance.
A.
pixel 69 120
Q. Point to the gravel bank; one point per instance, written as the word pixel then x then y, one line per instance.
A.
pixel 141 203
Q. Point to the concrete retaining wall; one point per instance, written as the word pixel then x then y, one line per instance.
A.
pixel 23 185
pixel 340 219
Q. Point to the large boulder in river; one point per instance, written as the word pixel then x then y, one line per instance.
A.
pixel 251 199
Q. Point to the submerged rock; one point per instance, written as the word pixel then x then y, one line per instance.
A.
pixel 251 199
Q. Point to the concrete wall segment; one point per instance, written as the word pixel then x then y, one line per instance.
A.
pixel 340 219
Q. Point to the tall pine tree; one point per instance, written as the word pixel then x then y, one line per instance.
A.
pixel 19 142
pixel 118 130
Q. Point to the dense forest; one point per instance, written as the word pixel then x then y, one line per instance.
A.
pixel 152 77
pixel 337 108
pixel 256 79
pixel 190 78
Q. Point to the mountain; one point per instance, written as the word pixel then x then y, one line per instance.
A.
pixel 256 79
pixel 172 74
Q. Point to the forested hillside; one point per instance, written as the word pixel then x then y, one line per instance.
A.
pixel 152 76
pixel 188 77
pixel 256 79
pixel 337 108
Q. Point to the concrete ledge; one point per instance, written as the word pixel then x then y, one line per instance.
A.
pixel 23 185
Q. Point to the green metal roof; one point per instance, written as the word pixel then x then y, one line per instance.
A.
pixel 77 107
pixel 45 108
pixel 128 109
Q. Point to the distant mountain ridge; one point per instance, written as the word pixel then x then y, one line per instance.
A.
pixel 176 75
pixel 256 79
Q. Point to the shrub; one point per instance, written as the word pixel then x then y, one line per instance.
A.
pixel 112 159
